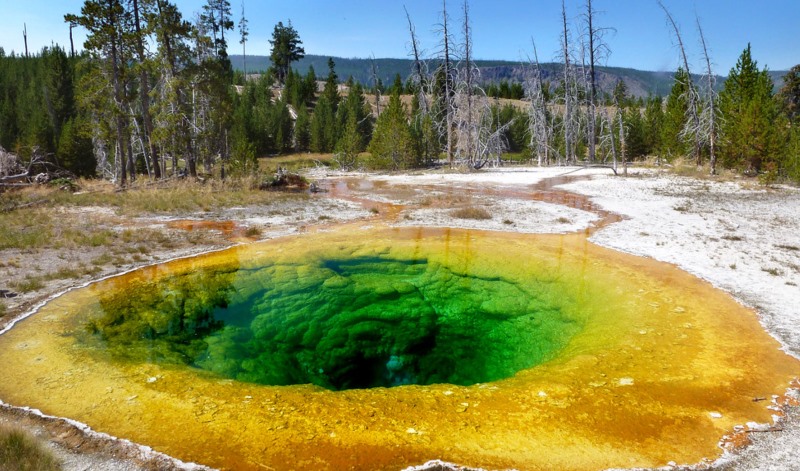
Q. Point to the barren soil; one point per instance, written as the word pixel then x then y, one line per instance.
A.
pixel 742 238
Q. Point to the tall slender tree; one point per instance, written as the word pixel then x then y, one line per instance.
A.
pixel 539 129
pixel 151 151
pixel 597 49
pixel 244 32
pixel 446 102
pixel 104 21
pixel 569 121
pixel 708 121
pixel 173 133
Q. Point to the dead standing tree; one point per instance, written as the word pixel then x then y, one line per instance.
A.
pixel 447 102
pixel 691 129
pixel 422 119
pixel 623 149
pixel 570 124
pixel 419 67
pixel 708 123
pixel 595 46
pixel 376 83
pixel 539 127
pixel 466 120
pixel 477 143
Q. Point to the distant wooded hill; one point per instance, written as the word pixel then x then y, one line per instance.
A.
pixel 640 83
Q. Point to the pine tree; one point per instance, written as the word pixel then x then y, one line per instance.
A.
pixel 75 149
pixel 217 17
pixel 244 33
pixel 354 109
pixel 59 91
pixel 672 143
pixel 323 126
pixel 286 48
pixel 331 90
pixel 349 145
pixel 172 132
pixel 789 94
pixel 392 144
pixel 653 123
pixel 281 127
pixel 104 21
pixel 302 130
pixel 635 133
pixel 750 131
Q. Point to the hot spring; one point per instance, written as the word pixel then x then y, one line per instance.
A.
pixel 385 348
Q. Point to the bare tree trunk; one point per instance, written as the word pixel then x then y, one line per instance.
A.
pixel 423 99
pixel 592 81
pixel 622 146
pixel 592 84
pixel 376 83
pixel 120 118
pixel 131 159
pixel 151 151
pixel 447 86
pixel 538 125
pixel 25 37
pixel 71 42
pixel 692 126
pixel 710 112
pixel 469 85
pixel 569 153
pixel 244 32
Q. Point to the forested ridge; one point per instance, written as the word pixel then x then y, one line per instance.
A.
pixel 153 94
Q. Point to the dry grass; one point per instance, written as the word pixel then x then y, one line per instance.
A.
pixel 145 197
pixel 19 451
pixel 3 309
pixel 471 212
pixel 45 217
pixel 294 162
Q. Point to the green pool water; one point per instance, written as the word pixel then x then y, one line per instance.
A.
pixel 338 319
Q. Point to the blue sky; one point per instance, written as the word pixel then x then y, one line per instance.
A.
pixel 501 29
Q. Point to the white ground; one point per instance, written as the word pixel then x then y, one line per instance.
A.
pixel 742 238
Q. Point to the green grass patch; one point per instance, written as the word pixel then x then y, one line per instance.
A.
pixel 20 451
pixel 25 229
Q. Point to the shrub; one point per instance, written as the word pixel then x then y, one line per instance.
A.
pixel 471 212
pixel 20 451
pixel 252 232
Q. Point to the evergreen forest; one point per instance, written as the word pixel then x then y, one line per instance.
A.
pixel 154 95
